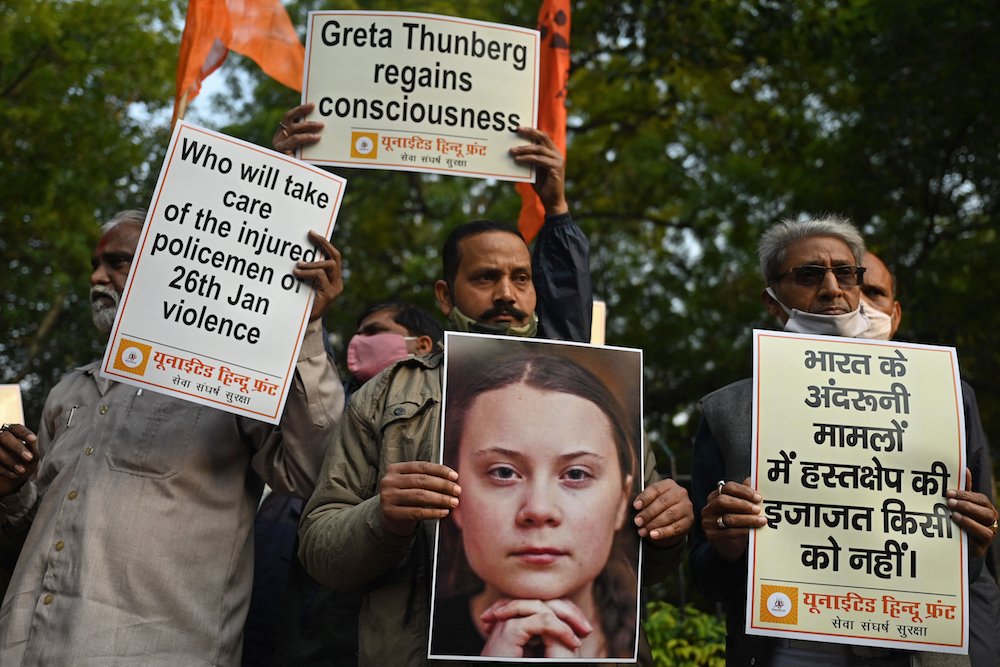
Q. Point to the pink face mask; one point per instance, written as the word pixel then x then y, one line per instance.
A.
pixel 368 355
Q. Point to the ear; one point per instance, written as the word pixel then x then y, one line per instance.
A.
pixel 424 345
pixel 443 295
pixel 896 317
pixel 625 504
pixel 773 307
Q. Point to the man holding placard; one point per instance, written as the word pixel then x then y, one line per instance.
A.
pixel 368 526
pixel 813 271
pixel 137 523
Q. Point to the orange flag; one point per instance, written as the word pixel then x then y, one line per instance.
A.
pixel 553 22
pixel 257 29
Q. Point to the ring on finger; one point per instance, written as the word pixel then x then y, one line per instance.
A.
pixel 994 526
pixel 5 427
pixel 721 523
pixel 720 485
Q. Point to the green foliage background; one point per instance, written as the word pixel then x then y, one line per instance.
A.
pixel 684 638
pixel 694 124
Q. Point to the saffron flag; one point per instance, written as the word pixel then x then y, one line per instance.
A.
pixel 554 24
pixel 258 29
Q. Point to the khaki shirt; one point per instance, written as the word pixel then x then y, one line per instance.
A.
pixel 140 549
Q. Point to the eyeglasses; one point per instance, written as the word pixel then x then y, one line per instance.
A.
pixel 812 275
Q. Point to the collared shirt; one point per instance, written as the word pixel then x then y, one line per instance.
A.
pixel 140 550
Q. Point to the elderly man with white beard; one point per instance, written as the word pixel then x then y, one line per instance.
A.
pixel 136 508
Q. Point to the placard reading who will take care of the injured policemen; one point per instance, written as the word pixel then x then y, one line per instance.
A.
pixel 211 312
pixel 420 92
pixel 855 443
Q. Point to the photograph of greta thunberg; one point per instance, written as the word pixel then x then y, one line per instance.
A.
pixel 537 560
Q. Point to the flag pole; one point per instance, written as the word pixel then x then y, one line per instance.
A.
pixel 179 110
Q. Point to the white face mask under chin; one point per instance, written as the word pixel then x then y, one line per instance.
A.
pixel 850 325
pixel 879 324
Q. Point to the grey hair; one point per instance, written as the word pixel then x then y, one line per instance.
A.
pixel 774 241
pixel 132 216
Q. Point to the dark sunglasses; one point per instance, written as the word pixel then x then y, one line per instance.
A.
pixel 812 275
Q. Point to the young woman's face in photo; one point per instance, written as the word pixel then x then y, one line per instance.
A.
pixel 542 492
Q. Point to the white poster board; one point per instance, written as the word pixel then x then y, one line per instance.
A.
pixel 211 312
pixel 420 92
pixel 855 444
pixel 11 408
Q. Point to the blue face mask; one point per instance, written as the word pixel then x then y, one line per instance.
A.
pixel 850 325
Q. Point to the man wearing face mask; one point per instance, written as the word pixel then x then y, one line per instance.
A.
pixel 813 275
pixel 878 294
pixel 369 524
pixel 386 333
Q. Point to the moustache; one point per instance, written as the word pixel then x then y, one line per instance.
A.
pixel 103 291
pixel 503 309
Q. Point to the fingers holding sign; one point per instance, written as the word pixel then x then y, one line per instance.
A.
pixel 18 457
pixel 665 513
pixel 976 515
pixel 414 491
pixel 550 168
pixel 294 131
pixel 325 275
pixel 733 510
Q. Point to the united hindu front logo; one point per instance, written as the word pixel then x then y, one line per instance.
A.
pixel 132 356
pixel 779 604
pixel 364 145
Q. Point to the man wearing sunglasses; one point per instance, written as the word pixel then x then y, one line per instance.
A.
pixel 813 273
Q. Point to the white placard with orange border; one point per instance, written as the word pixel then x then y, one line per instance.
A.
pixel 855 444
pixel 211 312
pixel 420 92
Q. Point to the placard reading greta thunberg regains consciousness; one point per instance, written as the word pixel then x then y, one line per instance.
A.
pixel 211 311
pixel 420 92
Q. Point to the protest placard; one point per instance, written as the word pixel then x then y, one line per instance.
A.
pixel 855 444
pixel 546 438
pixel 11 408
pixel 420 92
pixel 211 312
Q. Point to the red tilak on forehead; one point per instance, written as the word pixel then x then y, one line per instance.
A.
pixel 102 245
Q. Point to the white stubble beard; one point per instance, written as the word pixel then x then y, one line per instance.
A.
pixel 104 316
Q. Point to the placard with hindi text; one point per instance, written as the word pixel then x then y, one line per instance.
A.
pixel 855 444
